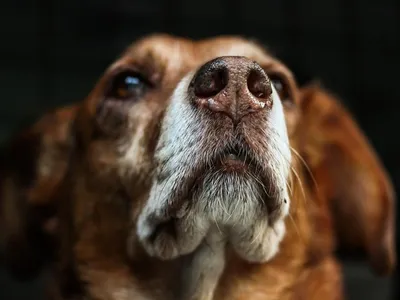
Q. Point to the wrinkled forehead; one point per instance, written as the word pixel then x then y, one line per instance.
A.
pixel 175 55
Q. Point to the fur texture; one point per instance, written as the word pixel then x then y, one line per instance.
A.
pixel 151 205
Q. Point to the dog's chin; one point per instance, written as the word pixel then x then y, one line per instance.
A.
pixel 231 196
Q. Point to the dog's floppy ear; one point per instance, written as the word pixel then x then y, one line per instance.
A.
pixel 350 175
pixel 32 166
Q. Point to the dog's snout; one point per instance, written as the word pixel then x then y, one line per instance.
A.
pixel 234 86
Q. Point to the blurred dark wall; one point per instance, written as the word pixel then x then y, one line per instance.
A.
pixel 52 52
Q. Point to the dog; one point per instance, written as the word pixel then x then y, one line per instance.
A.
pixel 201 170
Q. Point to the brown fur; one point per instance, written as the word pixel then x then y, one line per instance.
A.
pixel 32 167
pixel 340 192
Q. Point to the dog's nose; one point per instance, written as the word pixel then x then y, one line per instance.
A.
pixel 234 86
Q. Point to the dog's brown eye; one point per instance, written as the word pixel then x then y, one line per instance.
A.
pixel 280 86
pixel 128 85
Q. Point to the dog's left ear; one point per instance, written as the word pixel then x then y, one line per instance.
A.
pixel 350 175
pixel 31 169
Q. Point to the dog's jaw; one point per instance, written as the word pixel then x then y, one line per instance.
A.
pixel 181 207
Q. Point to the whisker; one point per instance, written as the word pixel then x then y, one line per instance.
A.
pixel 296 228
pixel 307 168
pixel 220 204
pixel 293 174
pixel 300 183
pixel 253 241
pixel 259 182
pixel 294 151
pixel 289 185
pixel 238 204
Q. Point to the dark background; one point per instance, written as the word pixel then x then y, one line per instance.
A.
pixel 52 52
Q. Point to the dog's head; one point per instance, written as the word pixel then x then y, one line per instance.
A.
pixel 195 133
pixel 32 166
pixel 180 135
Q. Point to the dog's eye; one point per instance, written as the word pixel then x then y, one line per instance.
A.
pixel 280 86
pixel 128 85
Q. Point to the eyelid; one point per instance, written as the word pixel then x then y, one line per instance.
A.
pixel 144 74
pixel 277 74
pixel 275 70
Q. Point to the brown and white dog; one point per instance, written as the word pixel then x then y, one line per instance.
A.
pixel 200 170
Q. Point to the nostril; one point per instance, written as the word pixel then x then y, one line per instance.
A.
pixel 258 84
pixel 209 83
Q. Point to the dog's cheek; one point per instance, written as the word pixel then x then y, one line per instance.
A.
pixel 111 119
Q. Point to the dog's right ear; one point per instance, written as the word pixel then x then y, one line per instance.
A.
pixel 350 175
pixel 32 167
